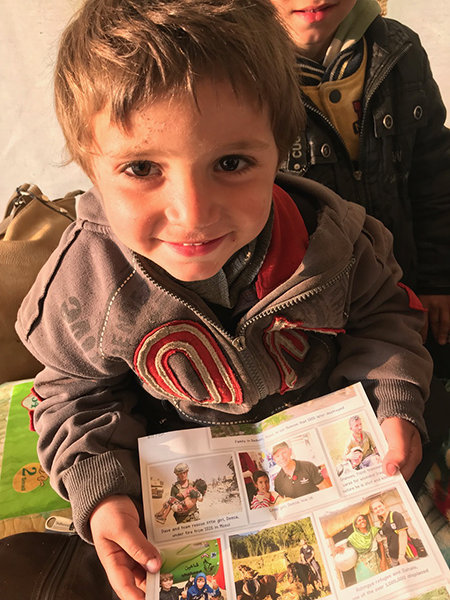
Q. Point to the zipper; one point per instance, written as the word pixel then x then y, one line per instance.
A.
pixel 49 589
pixel 238 341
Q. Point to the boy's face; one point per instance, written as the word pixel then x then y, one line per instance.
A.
pixel 312 23
pixel 166 584
pixel 262 485
pixel 356 459
pixel 184 187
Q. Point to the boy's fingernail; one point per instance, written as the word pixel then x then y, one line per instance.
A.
pixel 392 469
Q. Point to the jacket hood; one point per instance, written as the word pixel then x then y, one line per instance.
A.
pixel 90 208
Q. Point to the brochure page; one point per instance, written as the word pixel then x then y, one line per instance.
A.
pixel 296 506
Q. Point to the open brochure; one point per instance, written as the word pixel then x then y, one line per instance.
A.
pixel 322 520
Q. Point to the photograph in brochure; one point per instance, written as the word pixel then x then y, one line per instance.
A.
pixel 300 467
pixel 194 490
pixel 370 537
pixel 440 593
pixel 353 449
pixel 286 471
pixel 283 417
pixel 280 562
pixel 191 570
pixel 268 513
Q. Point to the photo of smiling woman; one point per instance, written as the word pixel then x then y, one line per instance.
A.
pixel 366 540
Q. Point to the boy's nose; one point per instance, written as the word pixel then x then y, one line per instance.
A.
pixel 192 203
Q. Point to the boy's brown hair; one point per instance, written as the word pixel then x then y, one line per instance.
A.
pixel 120 55
pixel 165 577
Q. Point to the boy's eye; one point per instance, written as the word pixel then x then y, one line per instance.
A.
pixel 140 168
pixel 232 163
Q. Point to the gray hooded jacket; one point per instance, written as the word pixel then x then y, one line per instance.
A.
pixel 117 335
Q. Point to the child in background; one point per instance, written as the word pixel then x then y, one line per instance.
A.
pixel 264 497
pixel 168 591
pixel 201 590
pixel 191 290
pixel 375 134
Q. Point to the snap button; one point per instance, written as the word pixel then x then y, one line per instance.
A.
pixel 325 151
pixel 388 121
pixel 335 96
pixel 418 112
pixel 297 167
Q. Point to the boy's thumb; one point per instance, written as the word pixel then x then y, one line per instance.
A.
pixel 391 463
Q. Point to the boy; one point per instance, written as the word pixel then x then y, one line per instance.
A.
pixel 191 289
pixel 375 134
pixel 264 497
pixel 168 591
pixel 201 590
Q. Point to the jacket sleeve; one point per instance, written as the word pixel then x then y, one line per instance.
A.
pixel 87 417
pixel 429 190
pixel 382 346
pixel 88 436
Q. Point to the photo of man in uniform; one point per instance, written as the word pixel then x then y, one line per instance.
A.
pixel 402 548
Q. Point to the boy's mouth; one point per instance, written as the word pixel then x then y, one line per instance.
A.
pixel 314 13
pixel 196 248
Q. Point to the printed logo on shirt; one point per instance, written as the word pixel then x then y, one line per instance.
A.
pixel 284 336
pixel 154 360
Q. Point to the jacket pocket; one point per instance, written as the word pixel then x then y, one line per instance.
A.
pixel 409 114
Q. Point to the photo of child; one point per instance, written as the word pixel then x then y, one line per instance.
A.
pixel 264 496
pixel 192 571
pixel 351 446
pixel 184 503
pixel 178 498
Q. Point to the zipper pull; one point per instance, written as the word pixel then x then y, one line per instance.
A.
pixel 60 525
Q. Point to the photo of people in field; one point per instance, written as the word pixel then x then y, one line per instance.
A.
pixel 194 490
pixel 282 562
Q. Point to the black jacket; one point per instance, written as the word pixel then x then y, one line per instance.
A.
pixel 403 173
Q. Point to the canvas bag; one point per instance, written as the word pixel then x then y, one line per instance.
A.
pixel 29 233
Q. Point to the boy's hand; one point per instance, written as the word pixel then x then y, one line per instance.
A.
pixel 122 548
pixel 438 316
pixel 405 447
